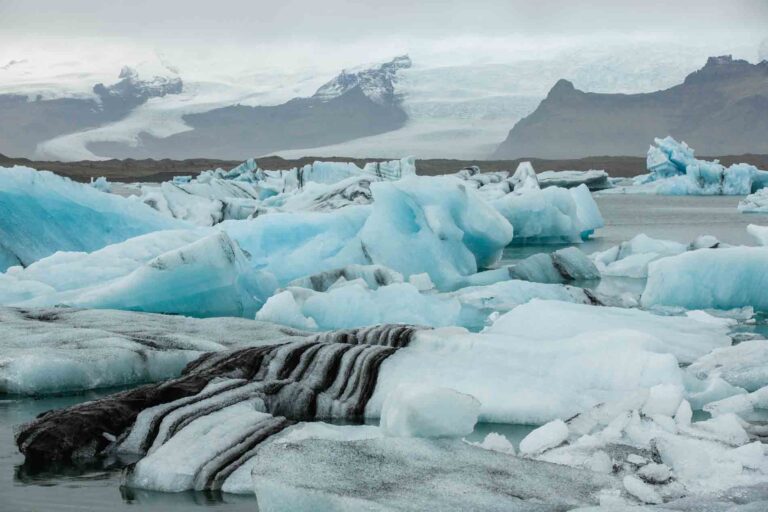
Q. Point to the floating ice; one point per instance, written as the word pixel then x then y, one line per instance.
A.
pixel 710 278
pixel 631 258
pixel 659 458
pixel 545 437
pixel 354 304
pixel 414 474
pixel 433 225
pixel 673 170
pixel 760 233
pixel 744 365
pixel 41 213
pixel 551 215
pixel 428 412
pixel 755 203
pixel 60 350
pixel 686 338
pixel 180 272
pixel 593 179
pixel 203 204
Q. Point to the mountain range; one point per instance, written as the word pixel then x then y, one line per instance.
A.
pixel 720 109
pixel 437 109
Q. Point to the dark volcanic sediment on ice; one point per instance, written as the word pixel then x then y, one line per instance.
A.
pixel 329 375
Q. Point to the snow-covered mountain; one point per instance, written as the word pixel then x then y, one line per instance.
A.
pixel 429 103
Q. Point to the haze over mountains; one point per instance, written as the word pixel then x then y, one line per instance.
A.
pixel 722 107
pixel 449 106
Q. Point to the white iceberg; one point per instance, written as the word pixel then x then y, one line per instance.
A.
pixel 631 258
pixel 687 338
pixel 755 203
pixel 62 350
pixel 428 412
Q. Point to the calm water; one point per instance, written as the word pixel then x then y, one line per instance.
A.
pixel 98 489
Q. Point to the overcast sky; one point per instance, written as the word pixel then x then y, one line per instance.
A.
pixel 343 21
pixel 295 34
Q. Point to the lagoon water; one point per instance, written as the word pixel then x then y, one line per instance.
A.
pixel 98 489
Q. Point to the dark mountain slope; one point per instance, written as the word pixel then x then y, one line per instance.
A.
pixel 719 109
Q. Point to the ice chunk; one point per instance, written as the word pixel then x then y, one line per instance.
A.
pixel 686 338
pixel 209 276
pixel 631 258
pixel 569 264
pixel 545 437
pixel 428 412
pixel 663 399
pixel 593 179
pixel 373 275
pixel 497 443
pixel 744 365
pixel 502 370
pixel 721 278
pixel 675 171
pixel 760 233
pixel 413 474
pixel 551 215
pixel 41 213
pixel 640 490
pixel 202 203
pixel 296 245
pixel 101 183
pixel 433 225
pixel 354 304
pixel 755 203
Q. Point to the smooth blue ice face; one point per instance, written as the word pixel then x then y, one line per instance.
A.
pixel 42 213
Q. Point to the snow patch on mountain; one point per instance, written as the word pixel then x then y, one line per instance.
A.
pixel 378 83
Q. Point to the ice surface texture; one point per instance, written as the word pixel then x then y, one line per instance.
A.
pixel 41 213
pixel 710 278
pixel 412 475
pixel 60 349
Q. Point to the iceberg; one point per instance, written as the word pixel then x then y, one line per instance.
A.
pixel 660 456
pixel 434 226
pixel 744 365
pixel 61 350
pixel 685 337
pixel 356 304
pixel 551 215
pixel 202 204
pixel 542 215
pixel 42 213
pixel 347 375
pixel 673 170
pixel 179 272
pixel 631 258
pixel 410 474
pixel 710 278
pixel 593 179
pixel 755 203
